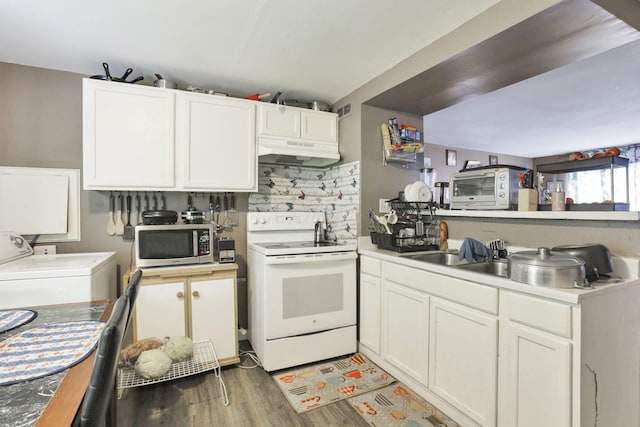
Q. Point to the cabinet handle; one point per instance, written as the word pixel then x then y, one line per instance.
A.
pixel 180 295
pixel 196 294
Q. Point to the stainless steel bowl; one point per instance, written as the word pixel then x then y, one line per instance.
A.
pixel 546 268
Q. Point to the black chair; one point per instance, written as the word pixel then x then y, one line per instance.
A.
pixel 132 290
pixel 99 404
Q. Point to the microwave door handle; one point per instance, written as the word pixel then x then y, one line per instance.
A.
pixel 195 243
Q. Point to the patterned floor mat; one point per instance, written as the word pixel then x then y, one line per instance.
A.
pixel 330 381
pixel 396 405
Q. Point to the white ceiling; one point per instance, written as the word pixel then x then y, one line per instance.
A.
pixel 589 104
pixel 309 50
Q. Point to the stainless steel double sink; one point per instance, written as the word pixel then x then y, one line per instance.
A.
pixel 495 268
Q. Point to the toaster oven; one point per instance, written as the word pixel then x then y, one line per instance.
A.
pixel 489 187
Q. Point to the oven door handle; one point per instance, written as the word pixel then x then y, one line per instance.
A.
pixel 310 258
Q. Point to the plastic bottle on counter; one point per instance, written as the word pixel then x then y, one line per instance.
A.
pixel 558 199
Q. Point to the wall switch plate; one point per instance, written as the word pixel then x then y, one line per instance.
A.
pixel 44 250
pixel 383 206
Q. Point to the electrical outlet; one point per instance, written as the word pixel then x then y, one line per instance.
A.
pixel 383 206
pixel 44 250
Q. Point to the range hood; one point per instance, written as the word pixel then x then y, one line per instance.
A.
pixel 297 152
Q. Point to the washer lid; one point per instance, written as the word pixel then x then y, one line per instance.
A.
pixel 59 265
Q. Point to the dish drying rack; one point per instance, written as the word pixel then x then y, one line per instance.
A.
pixel 409 215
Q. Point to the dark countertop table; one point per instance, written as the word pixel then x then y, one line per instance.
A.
pixel 53 398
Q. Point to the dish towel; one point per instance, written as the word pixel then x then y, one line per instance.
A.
pixel 474 251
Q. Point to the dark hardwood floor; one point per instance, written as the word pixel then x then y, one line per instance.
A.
pixel 254 400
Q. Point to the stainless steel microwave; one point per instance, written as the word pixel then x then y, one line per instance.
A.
pixel 173 244
pixel 493 187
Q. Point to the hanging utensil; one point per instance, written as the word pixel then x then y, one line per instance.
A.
pixel 111 225
pixel 119 223
pixel 233 213
pixel 138 209
pixel 155 202
pixel 146 202
pixel 225 203
pixel 211 206
pixel 163 201
pixel 217 208
pixel 128 229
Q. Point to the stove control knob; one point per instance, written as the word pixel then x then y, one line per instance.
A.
pixel 263 221
pixel 255 220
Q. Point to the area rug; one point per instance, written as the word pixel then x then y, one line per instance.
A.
pixel 330 381
pixel 396 405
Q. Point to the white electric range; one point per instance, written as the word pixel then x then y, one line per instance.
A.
pixel 32 280
pixel 302 294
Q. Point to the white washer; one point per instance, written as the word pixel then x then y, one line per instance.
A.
pixel 31 280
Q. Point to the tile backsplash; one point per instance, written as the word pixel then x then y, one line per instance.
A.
pixel 332 191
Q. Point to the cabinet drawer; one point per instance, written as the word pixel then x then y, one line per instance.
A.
pixel 539 313
pixel 471 294
pixel 370 266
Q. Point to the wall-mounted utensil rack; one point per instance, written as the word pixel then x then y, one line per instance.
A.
pixel 400 145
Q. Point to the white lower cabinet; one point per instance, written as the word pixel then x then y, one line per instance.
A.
pixel 208 315
pixel 200 305
pixel 370 312
pixel 463 358
pixel 490 356
pixel 405 330
pixel 161 311
pixel 537 379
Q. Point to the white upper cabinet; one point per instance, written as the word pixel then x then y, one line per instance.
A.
pixel 216 143
pixel 297 123
pixel 128 136
pixel 145 138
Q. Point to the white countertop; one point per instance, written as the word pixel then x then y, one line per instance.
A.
pixel 544 215
pixel 627 268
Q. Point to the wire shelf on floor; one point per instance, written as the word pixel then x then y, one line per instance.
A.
pixel 204 359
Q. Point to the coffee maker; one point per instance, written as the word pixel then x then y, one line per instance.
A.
pixel 226 250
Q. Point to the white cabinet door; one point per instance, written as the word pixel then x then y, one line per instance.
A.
pixel 538 379
pixel 319 126
pixel 463 357
pixel 160 310
pixel 405 331
pixel 216 143
pixel 278 120
pixel 297 123
pixel 128 136
pixel 213 315
pixel 370 312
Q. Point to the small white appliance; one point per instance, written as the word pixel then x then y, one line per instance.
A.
pixel 302 294
pixel 30 280
pixel 486 187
